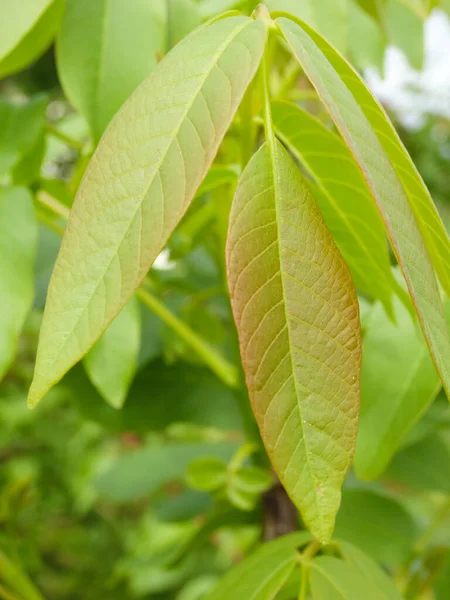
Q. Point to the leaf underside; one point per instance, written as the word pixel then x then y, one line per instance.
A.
pixel 386 186
pixel 139 184
pixel 297 316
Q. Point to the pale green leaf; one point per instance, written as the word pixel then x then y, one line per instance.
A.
pixel 27 28
pixel 112 363
pixel 18 240
pixel 212 8
pixel 207 474
pixel 375 576
pixel 139 184
pixel 330 18
pixel 405 31
pixel 371 7
pixel 335 579
pixel 320 62
pixel 183 16
pixel 345 201
pixel 376 524
pixel 297 317
pixel 105 50
pixel 20 127
pixel 398 382
pixel 367 42
pixel 263 573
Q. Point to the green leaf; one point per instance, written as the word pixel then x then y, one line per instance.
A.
pixel 130 201
pixel 111 364
pixel 27 170
pixel 335 579
pixel 375 577
pixel 104 51
pixel 371 7
pixel 405 30
pixel 18 240
pixel 344 199
pixel 344 95
pixel 442 582
pixel 331 19
pixel 21 126
pixel 423 466
pixel 262 574
pixel 144 471
pixel 183 16
pixel 207 474
pixel 218 176
pixel 376 524
pixel 297 317
pixel 398 382
pixel 27 28
pixel 367 42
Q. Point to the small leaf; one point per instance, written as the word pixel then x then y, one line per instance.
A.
pixel 246 486
pixel 330 75
pixel 27 28
pixel 262 574
pixel 18 240
pixel 423 466
pixel 104 51
pixel 207 474
pixel 112 363
pixel 21 127
pixel 297 317
pixel 375 577
pixel 345 200
pixel 398 382
pixel 376 524
pixel 130 201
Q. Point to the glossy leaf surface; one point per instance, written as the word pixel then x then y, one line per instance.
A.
pixel 297 317
pixel 129 201
pixel 386 187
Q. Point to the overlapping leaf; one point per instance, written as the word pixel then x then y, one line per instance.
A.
pixel 297 317
pixel 330 75
pixel 345 201
pixel 138 185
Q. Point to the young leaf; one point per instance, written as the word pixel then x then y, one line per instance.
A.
pixel 398 382
pixel 386 187
pixel 345 201
pixel 104 51
pixel 297 317
pixel 111 364
pixel 130 199
pixel 26 30
pixel 262 575
pixel 18 239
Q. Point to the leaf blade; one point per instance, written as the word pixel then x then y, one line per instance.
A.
pixel 130 196
pixel 400 220
pixel 271 282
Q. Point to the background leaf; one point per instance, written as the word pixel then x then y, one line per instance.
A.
pixel 111 364
pixel 388 193
pixel 18 239
pixel 104 51
pixel 405 31
pixel 129 187
pixel 297 317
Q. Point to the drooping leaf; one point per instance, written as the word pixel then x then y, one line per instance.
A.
pixel 104 51
pixel 111 364
pixel 335 579
pixel 405 30
pixel 425 465
pixel 345 201
pixel 297 317
pixel 375 576
pixel 27 28
pixel 20 127
pixel 145 470
pixel 262 575
pixel 376 524
pixel 367 42
pixel 130 201
pixel 18 239
pixel 398 382
pixel 330 75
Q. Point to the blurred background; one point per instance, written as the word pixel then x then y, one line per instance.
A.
pixel 98 501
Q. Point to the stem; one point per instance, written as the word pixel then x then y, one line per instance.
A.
pixel 429 532
pixel 49 222
pixel 221 367
pixel 53 204
pixel 248 130
pixel 15 578
pixel 304 583
pixel 66 139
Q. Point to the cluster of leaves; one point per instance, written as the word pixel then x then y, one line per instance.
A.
pixel 176 486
